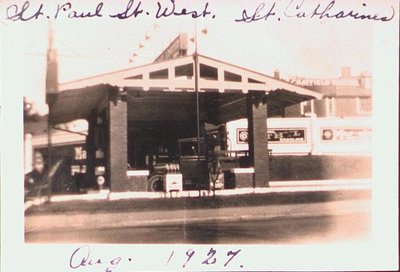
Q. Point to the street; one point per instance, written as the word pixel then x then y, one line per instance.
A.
pixel 315 222
pixel 320 229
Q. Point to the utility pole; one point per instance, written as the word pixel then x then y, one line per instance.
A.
pixel 51 90
pixel 196 87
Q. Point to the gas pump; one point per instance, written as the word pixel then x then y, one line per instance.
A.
pixel 198 170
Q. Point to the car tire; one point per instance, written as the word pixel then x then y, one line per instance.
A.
pixel 156 183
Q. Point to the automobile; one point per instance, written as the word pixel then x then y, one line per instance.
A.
pixel 199 170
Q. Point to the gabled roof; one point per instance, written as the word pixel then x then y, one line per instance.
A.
pixel 76 99
pixel 177 75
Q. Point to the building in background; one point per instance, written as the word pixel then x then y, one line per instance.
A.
pixel 325 138
pixel 346 96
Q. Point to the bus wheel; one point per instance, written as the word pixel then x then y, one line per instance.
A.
pixel 156 183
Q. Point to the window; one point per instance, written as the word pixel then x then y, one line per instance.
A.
pixel 228 76
pixel 208 72
pixel 161 74
pixel 184 70
pixel 363 105
pixel 307 108
pixel 330 107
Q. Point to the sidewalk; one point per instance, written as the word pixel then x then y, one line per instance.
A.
pixel 283 192
pixel 208 216
pixel 282 200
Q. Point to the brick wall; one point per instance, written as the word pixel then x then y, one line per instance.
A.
pixel 312 167
pixel 91 147
pixel 118 146
pixel 346 106
pixel 137 184
pixel 261 162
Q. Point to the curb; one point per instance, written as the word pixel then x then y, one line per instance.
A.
pixel 275 188
pixel 101 220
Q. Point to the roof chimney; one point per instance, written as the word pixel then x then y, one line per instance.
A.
pixel 277 74
pixel 346 72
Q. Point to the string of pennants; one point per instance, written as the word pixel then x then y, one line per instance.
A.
pixel 149 35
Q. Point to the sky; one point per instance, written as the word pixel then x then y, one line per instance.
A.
pixel 297 47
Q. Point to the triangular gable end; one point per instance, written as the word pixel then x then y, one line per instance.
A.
pixel 178 74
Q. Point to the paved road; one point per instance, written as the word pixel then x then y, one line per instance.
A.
pixel 317 229
pixel 290 223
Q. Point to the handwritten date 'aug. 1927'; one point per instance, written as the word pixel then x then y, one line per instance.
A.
pixel 294 9
pixel 83 258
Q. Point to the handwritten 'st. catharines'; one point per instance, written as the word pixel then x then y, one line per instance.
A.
pixel 254 12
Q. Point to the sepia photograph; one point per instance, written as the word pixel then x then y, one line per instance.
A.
pixel 199 135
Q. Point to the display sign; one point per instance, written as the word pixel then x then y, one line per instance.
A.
pixel 242 136
pixel 284 135
pixel 79 153
pixel 287 135
pixel 345 134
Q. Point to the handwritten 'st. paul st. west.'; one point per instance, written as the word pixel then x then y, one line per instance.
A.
pixel 131 9
pixel 262 11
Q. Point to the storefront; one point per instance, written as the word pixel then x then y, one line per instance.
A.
pixel 170 116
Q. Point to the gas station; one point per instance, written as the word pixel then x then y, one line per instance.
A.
pixel 161 126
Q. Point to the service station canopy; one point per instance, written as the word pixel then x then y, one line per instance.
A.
pixel 166 91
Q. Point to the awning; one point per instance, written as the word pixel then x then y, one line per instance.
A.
pixel 77 98
pixel 77 103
